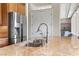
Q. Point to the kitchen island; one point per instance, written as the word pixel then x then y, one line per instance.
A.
pixel 57 46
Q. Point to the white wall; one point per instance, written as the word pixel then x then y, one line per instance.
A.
pixel 41 16
pixel 75 24
pixel 64 10
pixel 72 8
pixel 34 8
pixel 55 12
pixel 56 19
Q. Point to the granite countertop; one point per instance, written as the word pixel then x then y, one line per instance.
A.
pixel 57 46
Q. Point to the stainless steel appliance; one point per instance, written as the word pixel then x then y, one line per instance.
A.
pixel 15 28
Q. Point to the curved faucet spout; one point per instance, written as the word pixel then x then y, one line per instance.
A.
pixel 46 30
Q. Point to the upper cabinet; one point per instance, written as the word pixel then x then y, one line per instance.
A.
pixel 5 8
pixel 4 14
pixel 0 15
pixel 19 8
pixel 12 7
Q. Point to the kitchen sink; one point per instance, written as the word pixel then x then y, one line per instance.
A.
pixel 36 43
pixel 32 43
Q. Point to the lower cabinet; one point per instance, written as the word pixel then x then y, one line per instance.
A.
pixel 3 36
pixel 3 42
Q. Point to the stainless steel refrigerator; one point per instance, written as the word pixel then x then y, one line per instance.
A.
pixel 15 28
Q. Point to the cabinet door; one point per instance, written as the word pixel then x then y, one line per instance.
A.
pixel 17 7
pixel 77 22
pixel 12 7
pixel 0 15
pixel 4 14
pixel 21 9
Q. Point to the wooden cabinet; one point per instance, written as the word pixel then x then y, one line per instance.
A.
pixel 19 8
pixel 75 23
pixel 4 15
pixel 12 7
pixel 0 15
pixel 3 36
pixel 3 42
pixel 5 8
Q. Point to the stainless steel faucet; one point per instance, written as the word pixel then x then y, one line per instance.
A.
pixel 46 30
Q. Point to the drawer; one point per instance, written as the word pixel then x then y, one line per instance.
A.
pixel 3 42
pixel 3 31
